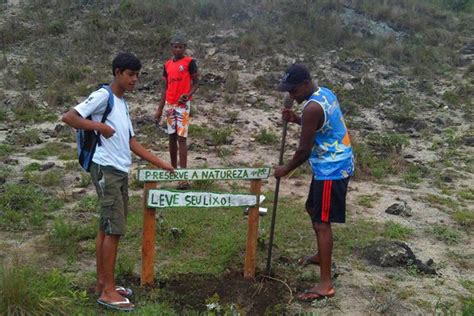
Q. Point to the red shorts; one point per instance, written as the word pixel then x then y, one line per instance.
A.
pixel 326 201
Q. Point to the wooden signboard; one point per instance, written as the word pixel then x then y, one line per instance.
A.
pixel 154 198
pixel 156 175
pixel 166 198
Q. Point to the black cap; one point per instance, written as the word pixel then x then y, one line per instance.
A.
pixel 295 75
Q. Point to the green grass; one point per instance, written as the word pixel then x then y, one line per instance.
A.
pixel 368 200
pixel 266 137
pixel 87 204
pixel 85 180
pixel 27 137
pixel 219 136
pixel 27 110
pixel 51 178
pixel 29 290
pixel 34 166
pixel 464 218
pixel 64 237
pixel 5 150
pixel 25 206
pixel 357 235
pixel 397 231
pixel 61 150
pixel 448 235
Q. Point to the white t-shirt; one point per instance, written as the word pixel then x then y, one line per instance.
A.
pixel 114 151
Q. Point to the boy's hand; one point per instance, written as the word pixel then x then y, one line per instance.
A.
pixel 168 167
pixel 288 115
pixel 280 171
pixel 105 130
pixel 158 115
pixel 183 99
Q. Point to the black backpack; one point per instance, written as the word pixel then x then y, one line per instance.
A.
pixel 87 141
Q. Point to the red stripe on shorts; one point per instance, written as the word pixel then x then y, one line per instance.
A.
pixel 326 201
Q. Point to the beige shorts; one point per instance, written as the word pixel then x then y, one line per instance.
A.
pixel 177 118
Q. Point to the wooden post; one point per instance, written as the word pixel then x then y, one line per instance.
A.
pixel 252 232
pixel 148 244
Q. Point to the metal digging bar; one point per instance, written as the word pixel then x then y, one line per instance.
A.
pixel 287 103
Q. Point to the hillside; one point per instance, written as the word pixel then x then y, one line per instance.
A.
pixel 403 72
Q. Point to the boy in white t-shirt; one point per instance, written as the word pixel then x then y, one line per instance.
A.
pixel 109 171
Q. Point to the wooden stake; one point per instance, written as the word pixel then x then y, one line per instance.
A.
pixel 148 245
pixel 252 232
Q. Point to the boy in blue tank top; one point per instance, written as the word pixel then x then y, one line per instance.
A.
pixel 326 144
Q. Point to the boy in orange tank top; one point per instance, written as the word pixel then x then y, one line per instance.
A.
pixel 180 81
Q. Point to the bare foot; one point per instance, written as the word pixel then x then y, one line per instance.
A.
pixel 310 259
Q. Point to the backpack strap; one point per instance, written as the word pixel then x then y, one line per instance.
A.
pixel 108 108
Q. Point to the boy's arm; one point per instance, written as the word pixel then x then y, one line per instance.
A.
pixel 74 119
pixel 143 153
pixel 194 84
pixel 193 70
pixel 161 104
pixel 163 88
pixel 312 120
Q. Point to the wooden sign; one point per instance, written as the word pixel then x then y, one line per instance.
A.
pixel 157 175
pixel 166 198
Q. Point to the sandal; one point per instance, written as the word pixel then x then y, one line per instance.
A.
pixel 124 306
pixel 312 295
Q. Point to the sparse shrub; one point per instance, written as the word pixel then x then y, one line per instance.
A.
pixel 48 179
pixel 85 180
pixel 369 164
pixel 232 116
pixel 388 143
pixel 26 76
pixel 403 112
pixel 367 200
pixel 248 45
pixel 465 218
pixel 24 137
pixel 64 237
pixel 87 204
pixel 224 152
pixel 449 235
pixel 125 267
pixel 262 83
pixel 5 150
pixel 220 136
pixel 53 149
pixel 56 95
pixel 3 114
pixel 266 137
pixel 56 27
pixel 414 174
pixel 27 110
pixel 72 165
pixel 396 231
pixel 22 205
pixel 231 83
pixel 34 166
pixel 27 290
pixel 466 194
pixel 197 131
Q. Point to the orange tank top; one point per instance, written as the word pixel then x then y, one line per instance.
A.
pixel 178 79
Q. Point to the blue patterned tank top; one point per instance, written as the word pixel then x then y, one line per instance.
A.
pixel 331 157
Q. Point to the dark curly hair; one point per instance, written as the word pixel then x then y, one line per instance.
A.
pixel 125 61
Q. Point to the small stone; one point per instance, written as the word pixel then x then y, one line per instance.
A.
pixel 348 87
pixel 399 209
pixel 47 166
